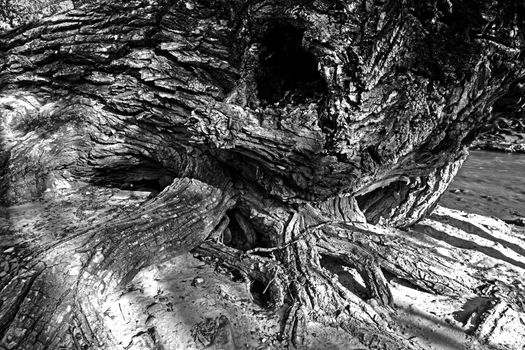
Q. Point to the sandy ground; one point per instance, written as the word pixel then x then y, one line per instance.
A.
pixel 174 298
pixel 491 184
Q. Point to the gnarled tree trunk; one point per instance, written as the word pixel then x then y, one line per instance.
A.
pixel 273 134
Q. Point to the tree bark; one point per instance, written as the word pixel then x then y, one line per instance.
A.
pixel 263 128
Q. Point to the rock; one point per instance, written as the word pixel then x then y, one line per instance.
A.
pixel 197 281
pixel 204 331
pixel 223 338
pixel 217 332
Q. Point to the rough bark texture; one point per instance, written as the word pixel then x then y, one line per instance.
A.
pixel 14 13
pixel 276 130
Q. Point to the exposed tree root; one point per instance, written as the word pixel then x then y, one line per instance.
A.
pixel 73 278
pixel 295 279
pixel 55 298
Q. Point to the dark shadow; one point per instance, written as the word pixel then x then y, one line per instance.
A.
pixel 346 278
pixel 260 293
pixel 464 244
pixel 473 229
pixel 379 202
pixel 389 276
pixel 237 238
pixel 145 176
pixel 431 334
pixel 473 309
pixel 287 70
pixel 243 235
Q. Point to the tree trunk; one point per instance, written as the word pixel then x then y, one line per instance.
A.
pixel 263 128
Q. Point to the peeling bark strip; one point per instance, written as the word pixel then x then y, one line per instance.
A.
pixel 273 129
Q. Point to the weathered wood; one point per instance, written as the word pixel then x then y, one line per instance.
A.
pixel 404 200
pixel 179 69
pixel 58 288
pixel 278 128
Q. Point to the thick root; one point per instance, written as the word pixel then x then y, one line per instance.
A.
pixel 55 296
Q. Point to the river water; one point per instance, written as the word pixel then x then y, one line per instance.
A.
pixel 489 183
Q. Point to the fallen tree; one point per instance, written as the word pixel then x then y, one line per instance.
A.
pixel 272 134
